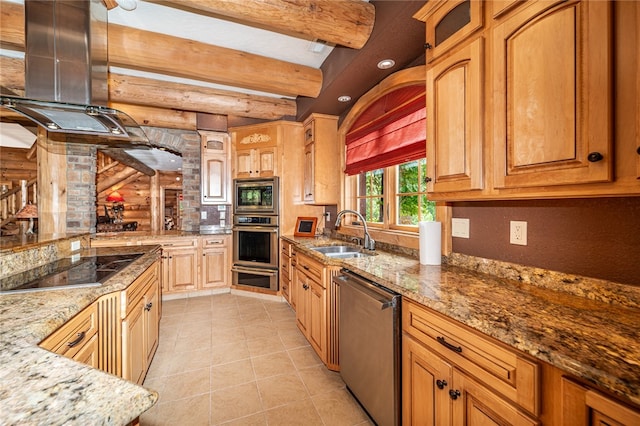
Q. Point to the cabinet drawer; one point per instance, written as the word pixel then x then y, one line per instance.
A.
pixel 133 295
pixel 285 265
pixel 214 242
pixel 310 267
pixel 69 339
pixel 285 247
pixel 512 374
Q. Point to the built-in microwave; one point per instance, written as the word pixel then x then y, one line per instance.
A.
pixel 256 195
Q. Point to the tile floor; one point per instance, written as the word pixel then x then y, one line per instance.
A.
pixel 237 360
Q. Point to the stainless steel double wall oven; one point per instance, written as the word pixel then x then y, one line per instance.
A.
pixel 255 233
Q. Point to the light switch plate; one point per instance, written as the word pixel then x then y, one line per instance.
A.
pixel 75 245
pixel 460 228
pixel 222 207
pixel 203 215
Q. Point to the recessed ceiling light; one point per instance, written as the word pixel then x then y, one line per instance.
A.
pixel 344 98
pixel 385 64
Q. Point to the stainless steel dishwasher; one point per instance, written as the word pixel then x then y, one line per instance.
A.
pixel 369 345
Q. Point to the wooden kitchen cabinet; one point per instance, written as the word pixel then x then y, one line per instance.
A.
pixel 456 373
pixel 321 151
pixel 140 312
pixel 552 120
pixel 286 273
pixel 583 406
pixel 180 265
pixel 455 97
pixel 311 306
pixel 215 261
pixel 77 338
pixel 215 170
pixel 255 151
pixel 449 23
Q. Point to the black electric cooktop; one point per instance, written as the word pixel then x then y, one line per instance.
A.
pixel 65 273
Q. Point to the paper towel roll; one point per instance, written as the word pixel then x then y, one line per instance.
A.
pixel 430 243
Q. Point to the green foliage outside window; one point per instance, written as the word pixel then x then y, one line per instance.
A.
pixel 413 205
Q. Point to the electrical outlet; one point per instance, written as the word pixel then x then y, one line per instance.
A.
pixel 518 233
pixel 460 228
pixel 203 215
pixel 328 216
pixel 75 245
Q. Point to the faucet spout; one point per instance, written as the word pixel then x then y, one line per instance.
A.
pixel 368 243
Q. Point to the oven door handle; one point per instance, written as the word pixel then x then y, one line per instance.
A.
pixel 256 228
pixel 263 272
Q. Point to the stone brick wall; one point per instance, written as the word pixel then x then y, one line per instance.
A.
pixel 81 188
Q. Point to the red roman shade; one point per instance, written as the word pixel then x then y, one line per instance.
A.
pixel 391 131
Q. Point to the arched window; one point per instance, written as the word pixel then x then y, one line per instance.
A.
pixel 385 153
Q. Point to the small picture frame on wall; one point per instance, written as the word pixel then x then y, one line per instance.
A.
pixel 306 227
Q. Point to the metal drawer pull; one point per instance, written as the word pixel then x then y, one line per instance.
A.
pixel 148 306
pixel 441 383
pixel 454 394
pixel 448 345
pixel 78 340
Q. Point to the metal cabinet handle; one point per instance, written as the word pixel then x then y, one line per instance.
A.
pixel 77 341
pixel 306 287
pixel 441 383
pixel 638 150
pixel 428 46
pixel 448 345
pixel 594 157
pixel 148 306
pixel 454 394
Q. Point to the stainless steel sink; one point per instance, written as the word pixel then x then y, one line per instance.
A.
pixel 340 252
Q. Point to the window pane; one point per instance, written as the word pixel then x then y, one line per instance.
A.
pixel 375 181
pixel 375 210
pixel 408 210
pixel 408 177
pixel 427 209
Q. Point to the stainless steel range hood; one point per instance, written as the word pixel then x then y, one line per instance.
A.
pixel 66 89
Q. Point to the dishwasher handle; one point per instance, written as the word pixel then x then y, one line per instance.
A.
pixel 382 298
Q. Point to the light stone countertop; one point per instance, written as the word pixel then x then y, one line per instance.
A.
pixel 38 387
pixel 589 328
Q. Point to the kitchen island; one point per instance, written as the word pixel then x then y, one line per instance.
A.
pixel 585 327
pixel 40 387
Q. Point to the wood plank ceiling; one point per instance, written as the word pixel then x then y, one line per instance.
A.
pixel 251 60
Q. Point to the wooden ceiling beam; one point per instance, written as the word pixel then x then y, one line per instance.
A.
pixel 347 22
pixel 159 53
pixel 11 25
pixel 158 117
pixel 155 93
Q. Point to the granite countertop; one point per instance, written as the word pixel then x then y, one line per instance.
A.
pixel 39 387
pixel 588 328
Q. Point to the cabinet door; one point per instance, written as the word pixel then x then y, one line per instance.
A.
pixel 552 88
pixel 214 268
pixel 151 322
pixel 475 405
pixel 89 352
pixel 426 381
pixel 302 302
pixel 215 178
pixel 267 161
pixel 582 406
pixel 244 163
pixel 317 327
pixel 455 117
pixel 309 172
pixel 183 269
pixel 133 351
pixel 450 23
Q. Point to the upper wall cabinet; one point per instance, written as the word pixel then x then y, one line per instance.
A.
pixel 321 155
pixel 256 151
pixel 552 80
pixel 449 23
pixel 215 155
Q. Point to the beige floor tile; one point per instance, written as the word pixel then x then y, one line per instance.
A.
pixel 173 307
pixel 319 380
pixel 231 321
pixel 339 408
pixel 186 385
pixel 190 360
pixel 194 411
pixel 194 329
pixel 236 402
pixel 199 304
pixel 259 331
pixel 225 312
pixel 292 339
pixel 221 335
pixel 232 374
pixel 223 354
pixel 272 365
pixel 264 346
pixel 300 413
pixel 304 357
pixel 259 419
pixel 193 343
pixel 281 390
pixel 193 317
